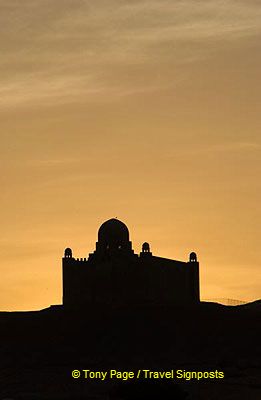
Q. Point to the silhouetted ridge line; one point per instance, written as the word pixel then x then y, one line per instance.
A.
pixel 225 301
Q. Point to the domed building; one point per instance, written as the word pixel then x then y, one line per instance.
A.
pixel 113 275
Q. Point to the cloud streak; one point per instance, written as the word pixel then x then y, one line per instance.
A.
pixel 77 50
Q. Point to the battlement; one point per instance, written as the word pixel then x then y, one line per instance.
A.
pixel 72 259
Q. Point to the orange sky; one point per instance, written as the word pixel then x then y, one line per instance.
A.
pixel 144 110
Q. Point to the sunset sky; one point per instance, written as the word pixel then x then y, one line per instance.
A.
pixel 144 110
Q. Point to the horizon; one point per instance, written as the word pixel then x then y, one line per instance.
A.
pixel 80 254
pixel 145 110
pixel 218 301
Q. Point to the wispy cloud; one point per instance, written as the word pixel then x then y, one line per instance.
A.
pixel 227 147
pixel 74 50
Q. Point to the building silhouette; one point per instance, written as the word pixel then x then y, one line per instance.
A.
pixel 113 275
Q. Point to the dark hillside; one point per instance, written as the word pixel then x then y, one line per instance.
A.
pixel 40 349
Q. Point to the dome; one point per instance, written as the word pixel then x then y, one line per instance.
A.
pixel 145 247
pixel 193 257
pixel 68 252
pixel 113 230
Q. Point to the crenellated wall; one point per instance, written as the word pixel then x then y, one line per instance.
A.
pixel 143 279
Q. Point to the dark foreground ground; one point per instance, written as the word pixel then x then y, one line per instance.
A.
pixel 39 351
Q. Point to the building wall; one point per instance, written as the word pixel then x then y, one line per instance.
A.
pixel 129 280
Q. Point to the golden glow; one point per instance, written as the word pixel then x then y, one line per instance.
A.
pixel 144 110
